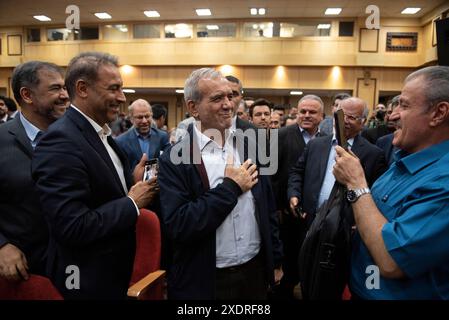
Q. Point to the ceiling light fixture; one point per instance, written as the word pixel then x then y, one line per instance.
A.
pixel 203 12
pixel 129 91
pixel 103 15
pixel 296 93
pixel 212 27
pixel 410 10
pixel 332 11
pixel 42 18
pixel 324 26
pixel 179 90
pixel 257 11
pixel 152 14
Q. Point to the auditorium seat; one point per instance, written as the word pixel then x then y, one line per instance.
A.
pixel 147 281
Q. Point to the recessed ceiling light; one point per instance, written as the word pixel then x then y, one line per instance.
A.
pixel 179 90
pixel 203 12
pixel 410 10
pixel 129 91
pixel 324 26
pixel 42 18
pixel 253 11
pixel 261 11
pixel 212 27
pixel 152 14
pixel 296 93
pixel 103 15
pixel 332 11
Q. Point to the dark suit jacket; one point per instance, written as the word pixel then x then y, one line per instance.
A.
pixel 290 147
pixel 130 145
pixel 386 144
pixel 372 134
pixel 191 214
pixel 243 125
pixel 22 222
pixel 307 175
pixel 92 222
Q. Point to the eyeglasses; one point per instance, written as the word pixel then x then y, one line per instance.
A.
pixel 353 118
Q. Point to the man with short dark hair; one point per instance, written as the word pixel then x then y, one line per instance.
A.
pixel 402 222
pixel 260 113
pixel 39 88
pixel 4 116
pixel 159 115
pixel 85 186
pixel 238 122
pixel 12 107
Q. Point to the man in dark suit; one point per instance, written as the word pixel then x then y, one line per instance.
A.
pixel 219 215
pixel 311 180
pixel 142 137
pixel 83 179
pixel 292 140
pixel 39 88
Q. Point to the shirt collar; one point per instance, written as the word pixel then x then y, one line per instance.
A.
pixel 105 130
pixel 350 142
pixel 312 135
pixel 204 140
pixel 141 136
pixel 5 118
pixel 30 129
pixel 416 161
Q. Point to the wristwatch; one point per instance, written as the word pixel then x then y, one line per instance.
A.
pixel 353 195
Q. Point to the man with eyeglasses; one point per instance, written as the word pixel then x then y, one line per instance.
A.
pixel 142 137
pixel 311 180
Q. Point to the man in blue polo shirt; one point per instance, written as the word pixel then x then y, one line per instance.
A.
pixel 401 249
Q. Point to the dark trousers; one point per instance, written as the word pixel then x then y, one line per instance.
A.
pixel 292 233
pixel 247 281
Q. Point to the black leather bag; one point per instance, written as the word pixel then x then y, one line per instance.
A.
pixel 325 253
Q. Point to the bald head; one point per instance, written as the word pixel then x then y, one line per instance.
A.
pixel 356 111
pixel 141 116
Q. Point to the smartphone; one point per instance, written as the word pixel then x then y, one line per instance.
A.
pixel 151 169
pixel 339 118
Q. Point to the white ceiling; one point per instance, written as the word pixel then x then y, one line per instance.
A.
pixel 20 12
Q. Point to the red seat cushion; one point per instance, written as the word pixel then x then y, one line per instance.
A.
pixel 35 288
pixel 148 246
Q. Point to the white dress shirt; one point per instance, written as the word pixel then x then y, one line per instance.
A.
pixel 103 133
pixel 329 178
pixel 238 237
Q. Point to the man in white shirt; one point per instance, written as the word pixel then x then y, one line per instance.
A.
pixel 85 186
pixel 218 212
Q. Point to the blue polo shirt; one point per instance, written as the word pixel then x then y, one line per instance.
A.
pixel 144 142
pixel 413 195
